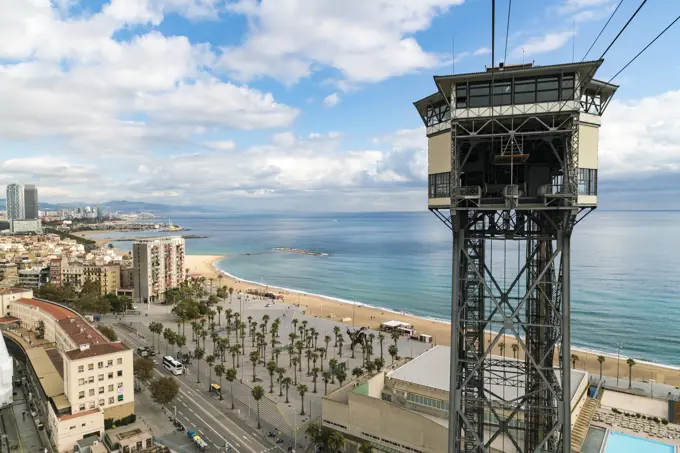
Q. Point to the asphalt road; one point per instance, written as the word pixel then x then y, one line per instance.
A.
pixel 205 415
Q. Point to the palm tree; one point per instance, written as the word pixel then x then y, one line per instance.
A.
pixel 299 346
pixel 198 355
pixel 326 377
pixel 322 355
pixel 336 331
pixel 340 341
pixel 515 348
pixel 600 359
pixel 302 389
pixel 258 393
pixel 631 363
pixel 281 372
pixel 265 321
pixel 172 340
pixel 501 345
pixel 210 360
pixel 393 351
pixel 342 376
pixel 381 339
pixel 332 363
pixel 315 375
pixel 295 360
pixel 235 350
pixel 295 323
pixel 219 309
pixel 287 381
pixel 379 363
pixel 230 376
pixel 308 356
pixel 574 359
pixel 167 333
pixel 219 372
pixel 157 329
pixel 365 447
pixel 370 366
pixel 254 357
pixel 292 337
pixel 271 368
pixel 327 340
pixel 395 336
pixel 357 371
pixel 329 441
pixel 277 353
pixel 181 341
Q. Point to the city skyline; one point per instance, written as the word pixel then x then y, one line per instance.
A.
pixel 198 103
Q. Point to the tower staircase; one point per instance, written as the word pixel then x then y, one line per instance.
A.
pixel 580 429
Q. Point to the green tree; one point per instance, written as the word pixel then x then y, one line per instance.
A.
pixel 341 376
pixel 302 389
pixel 258 393
pixel 295 360
pixel 326 378
pixel 219 372
pixel 219 309
pixel 40 330
pixel 379 363
pixel 600 359
pixel 381 340
pixel 199 353
pixel 574 359
pixel 164 390
pixel 357 371
pixel 156 328
pixel 271 368
pixel 329 440
pixel 393 351
pixel 365 447
pixel 631 363
pixel 315 375
pixel 230 376
pixel 254 357
pixel 168 336
pixel 515 348
pixel 143 368
pixel 210 360
pixel 287 381
pixel 181 341
pixel 281 372
pixel 501 345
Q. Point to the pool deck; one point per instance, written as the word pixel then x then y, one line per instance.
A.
pixel 618 442
pixel 644 429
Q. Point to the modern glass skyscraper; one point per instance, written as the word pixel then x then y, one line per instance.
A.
pixel 15 202
pixel 30 201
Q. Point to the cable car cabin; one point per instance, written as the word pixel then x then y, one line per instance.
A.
pixel 523 137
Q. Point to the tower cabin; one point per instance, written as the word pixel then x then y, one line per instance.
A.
pixel 523 137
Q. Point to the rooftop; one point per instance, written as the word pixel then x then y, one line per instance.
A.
pixel 95 350
pixel 431 369
pixel 81 332
pixel 56 311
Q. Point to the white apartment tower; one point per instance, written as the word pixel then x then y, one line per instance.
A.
pixel 158 266
pixel 15 202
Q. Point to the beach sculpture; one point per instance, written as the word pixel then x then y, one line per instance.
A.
pixel 357 336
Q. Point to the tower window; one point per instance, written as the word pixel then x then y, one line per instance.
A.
pixel 587 181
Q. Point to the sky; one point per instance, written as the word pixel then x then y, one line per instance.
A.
pixel 302 105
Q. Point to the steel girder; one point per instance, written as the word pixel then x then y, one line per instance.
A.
pixel 525 403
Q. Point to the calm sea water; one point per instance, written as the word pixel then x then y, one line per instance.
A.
pixel 625 272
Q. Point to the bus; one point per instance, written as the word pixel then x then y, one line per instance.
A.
pixel 173 365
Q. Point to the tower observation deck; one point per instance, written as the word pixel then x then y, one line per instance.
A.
pixel 512 168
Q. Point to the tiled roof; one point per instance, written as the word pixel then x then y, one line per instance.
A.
pixel 95 350
pixel 79 414
pixel 55 311
pixel 81 332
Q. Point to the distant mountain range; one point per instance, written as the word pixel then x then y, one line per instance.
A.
pixel 124 206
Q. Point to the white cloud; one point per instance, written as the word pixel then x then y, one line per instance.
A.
pixel 331 100
pixel 543 44
pixel 223 145
pixel 641 137
pixel 367 41
pixel 482 51
pixel 570 6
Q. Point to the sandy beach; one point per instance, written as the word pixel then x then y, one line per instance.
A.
pixel 372 317
pixel 360 315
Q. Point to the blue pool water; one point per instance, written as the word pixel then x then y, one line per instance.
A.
pixel 625 443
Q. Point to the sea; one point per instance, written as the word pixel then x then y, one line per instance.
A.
pixel 625 267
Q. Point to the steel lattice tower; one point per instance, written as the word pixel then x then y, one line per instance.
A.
pixel 512 163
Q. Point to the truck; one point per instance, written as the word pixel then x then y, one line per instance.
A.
pixel 200 443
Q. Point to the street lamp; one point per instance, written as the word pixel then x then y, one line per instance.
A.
pixel 618 361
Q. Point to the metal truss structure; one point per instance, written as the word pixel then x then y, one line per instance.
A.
pixel 523 403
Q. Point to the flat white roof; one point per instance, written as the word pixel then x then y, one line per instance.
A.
pixel 396 324
pixel 432 369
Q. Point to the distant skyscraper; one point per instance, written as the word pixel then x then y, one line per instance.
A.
pixel 30 201
pixel 15 202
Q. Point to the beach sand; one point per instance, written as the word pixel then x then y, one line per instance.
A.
pixel 440 331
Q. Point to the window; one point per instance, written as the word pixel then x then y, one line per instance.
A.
pixel 72 427
pixel 111 375
pixel 101 402
pixel 387 397
pixel 100 377
pixel 120 385
pixel 90 379
pixel 567 87
pixel 81 395
pixel 83 425
pixel 92 404
pixel 461 96
pixel 81 407
pixel 525 91
pixel 91 392
pixel 547 89
pixel 120 373
pixel 90 366
pixel 120 361
pixel 426 401
pixel 111 388
pixel 502 93
pixel 112 400
pixel 587 181
pixel 439 185
pixel 479 94
pixel 81 368
pixel 109 363
pixel 101 390
pixel 100 365
pixel 81 381
pixel 120 397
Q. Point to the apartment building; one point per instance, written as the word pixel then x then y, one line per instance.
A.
pixel 83 377
pixel 76 273
pixel 158 266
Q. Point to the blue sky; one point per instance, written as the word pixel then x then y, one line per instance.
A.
pixel 298 104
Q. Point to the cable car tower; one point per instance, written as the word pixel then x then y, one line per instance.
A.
pixel 512 168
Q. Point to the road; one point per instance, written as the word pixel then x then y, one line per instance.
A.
pixel 206 416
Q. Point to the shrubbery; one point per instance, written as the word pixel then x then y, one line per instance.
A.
pixel 110 423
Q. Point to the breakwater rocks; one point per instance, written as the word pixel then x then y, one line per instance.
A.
pixel 299 251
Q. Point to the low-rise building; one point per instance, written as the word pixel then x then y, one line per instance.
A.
pixel 405 408
pixel 84 378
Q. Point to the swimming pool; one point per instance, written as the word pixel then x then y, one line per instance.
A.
pixel 625 443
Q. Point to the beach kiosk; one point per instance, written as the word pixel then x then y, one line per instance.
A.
pixel 403 328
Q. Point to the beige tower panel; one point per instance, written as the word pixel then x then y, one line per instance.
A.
pixel 439 153
pixel 588 143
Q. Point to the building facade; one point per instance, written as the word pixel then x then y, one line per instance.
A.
pixel 15 202
pixel 83 378
pixel 31 202
pixel 158 266
pixel 76 273
pixel 19 226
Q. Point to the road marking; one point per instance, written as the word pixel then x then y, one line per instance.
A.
pixel 192 411
pixel 182 403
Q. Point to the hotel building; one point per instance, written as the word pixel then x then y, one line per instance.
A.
pixel 82 377
pixel 158 266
